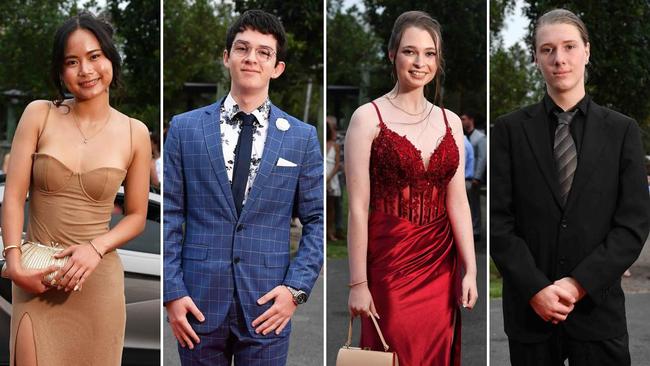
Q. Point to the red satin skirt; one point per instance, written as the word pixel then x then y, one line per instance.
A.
pixel 413 281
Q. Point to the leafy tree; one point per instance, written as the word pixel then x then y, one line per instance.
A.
pixel 26 34
pixel 352 48
pixel 138 26
pixel 511 77
pixel 499 9
pixel 195 37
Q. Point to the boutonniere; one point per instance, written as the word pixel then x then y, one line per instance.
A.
pixel 282 124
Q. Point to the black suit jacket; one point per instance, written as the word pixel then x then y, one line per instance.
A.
pixel 594 238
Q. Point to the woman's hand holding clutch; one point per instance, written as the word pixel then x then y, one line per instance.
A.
pixel 30 280
pixel 469 293
pixel 83 261
pixel 360 301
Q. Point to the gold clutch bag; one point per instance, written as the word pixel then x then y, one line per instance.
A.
pixel 355 356
pixel 39 256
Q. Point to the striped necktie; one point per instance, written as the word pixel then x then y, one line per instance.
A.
pixel 564 151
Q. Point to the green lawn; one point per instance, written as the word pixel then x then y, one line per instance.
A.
pixel 495 281
pixel 339 248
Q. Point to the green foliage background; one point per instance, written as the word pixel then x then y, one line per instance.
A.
pixel 27 30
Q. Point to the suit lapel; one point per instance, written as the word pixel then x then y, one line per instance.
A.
pixel 592 144
pixel 269 157
pixel 537 132
pixel 212 133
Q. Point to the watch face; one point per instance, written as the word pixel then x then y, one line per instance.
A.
pixel 301 298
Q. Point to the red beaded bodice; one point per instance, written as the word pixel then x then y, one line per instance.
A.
pixel 400 183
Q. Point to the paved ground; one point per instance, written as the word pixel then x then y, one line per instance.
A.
pixel 474 350
pixel 306 345
pixel 637 290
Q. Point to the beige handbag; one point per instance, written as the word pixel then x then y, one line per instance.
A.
pixel 39 256
pixel 355 356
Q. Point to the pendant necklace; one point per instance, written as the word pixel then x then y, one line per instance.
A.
pixel 78 125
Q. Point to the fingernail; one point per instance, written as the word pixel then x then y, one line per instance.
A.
pixel 53 282
pixel 76 288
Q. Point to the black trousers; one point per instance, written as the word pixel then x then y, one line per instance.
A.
pixel 560 347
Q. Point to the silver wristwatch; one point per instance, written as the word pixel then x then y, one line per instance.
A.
pixel 299 296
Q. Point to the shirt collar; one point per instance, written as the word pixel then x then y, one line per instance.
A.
pixel 551 107
pixel 261 113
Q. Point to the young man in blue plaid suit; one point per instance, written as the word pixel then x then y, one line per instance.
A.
pixel 235 173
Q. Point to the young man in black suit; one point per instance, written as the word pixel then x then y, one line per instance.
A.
pixel 569 211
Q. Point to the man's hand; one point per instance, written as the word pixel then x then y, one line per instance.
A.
pixel 572 286
pixel 279 314
pixel 553 303
pixel 177 313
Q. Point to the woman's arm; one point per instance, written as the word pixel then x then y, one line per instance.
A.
pixel 19 174
pixel 136 189
pixel 358 141
pixel 461 219
pixel 84 258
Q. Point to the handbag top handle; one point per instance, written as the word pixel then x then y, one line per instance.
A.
pixel 374 321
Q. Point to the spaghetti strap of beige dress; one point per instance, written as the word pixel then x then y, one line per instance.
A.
pixel 78 327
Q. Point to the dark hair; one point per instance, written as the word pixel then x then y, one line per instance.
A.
pixel 102 30
pixel 471 114
pixel 263 22
pixel 330 134
pixel 424 21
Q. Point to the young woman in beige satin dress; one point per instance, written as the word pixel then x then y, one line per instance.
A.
pixel 71 156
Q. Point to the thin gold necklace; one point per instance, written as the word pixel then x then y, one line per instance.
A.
pixel 405 111
pixel 78 125
pixel 426 118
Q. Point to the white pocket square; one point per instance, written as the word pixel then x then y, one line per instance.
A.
pixel 285 162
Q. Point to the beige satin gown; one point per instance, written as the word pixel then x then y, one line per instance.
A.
pixel 71 208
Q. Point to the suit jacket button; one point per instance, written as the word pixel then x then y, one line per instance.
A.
pixel 240 227
pixel 236 260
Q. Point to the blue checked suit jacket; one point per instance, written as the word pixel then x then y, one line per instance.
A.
pixel 210 252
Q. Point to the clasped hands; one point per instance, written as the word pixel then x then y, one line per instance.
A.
pixel 273 319
pixel 554 302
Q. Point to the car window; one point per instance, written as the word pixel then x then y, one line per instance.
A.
pixel 149 240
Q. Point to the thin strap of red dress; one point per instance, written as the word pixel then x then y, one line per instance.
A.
pixel 444 115
pixel 381 120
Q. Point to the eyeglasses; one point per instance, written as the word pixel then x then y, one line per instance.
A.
pixel 263 54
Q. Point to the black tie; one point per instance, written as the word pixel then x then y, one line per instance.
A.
pixel 242 159
pixel 564 151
